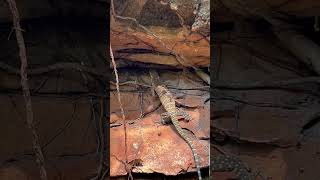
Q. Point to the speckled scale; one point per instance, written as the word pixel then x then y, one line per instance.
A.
pixel 231 163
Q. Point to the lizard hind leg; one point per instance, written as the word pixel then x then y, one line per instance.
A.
pixel 184 114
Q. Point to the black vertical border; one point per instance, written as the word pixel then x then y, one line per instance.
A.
pixel 107 92
pixel 212 69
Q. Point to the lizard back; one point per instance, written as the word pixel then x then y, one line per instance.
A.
pixel 166 99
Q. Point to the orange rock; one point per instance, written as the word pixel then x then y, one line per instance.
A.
pixel 140 46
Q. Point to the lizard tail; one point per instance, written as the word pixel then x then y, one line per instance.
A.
pixel 196 159
pixel 189 141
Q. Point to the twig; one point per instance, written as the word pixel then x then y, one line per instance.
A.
pixel 233 136
pixel 204 88
pixel 54 67
pixel 265 84
pixel 42 83
pixel 121 107
pixel 154 108
pixel 130 83
pixel 66 95
pixel 310 122
pixel 141 104
pixel 26 90
pixel 256 104
pixel 61 130
pixel 101 143
pixel 126 165
pixel 200 88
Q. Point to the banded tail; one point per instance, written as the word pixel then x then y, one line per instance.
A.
pixel 189 142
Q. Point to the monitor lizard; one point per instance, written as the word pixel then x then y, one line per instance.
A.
pixel 169 104
pixel 219 162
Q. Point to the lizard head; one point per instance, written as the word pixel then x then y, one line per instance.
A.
pixel 160 90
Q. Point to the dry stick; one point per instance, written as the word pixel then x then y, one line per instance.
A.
pixel 26 91
pixel 54 67
pixel 265 84
pixel 122 111
pixel 102 143
pixel 134 83
pixel 130 83
pixel 100 175
pixel 277 142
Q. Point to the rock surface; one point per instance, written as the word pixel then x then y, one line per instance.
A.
pixel 131 42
